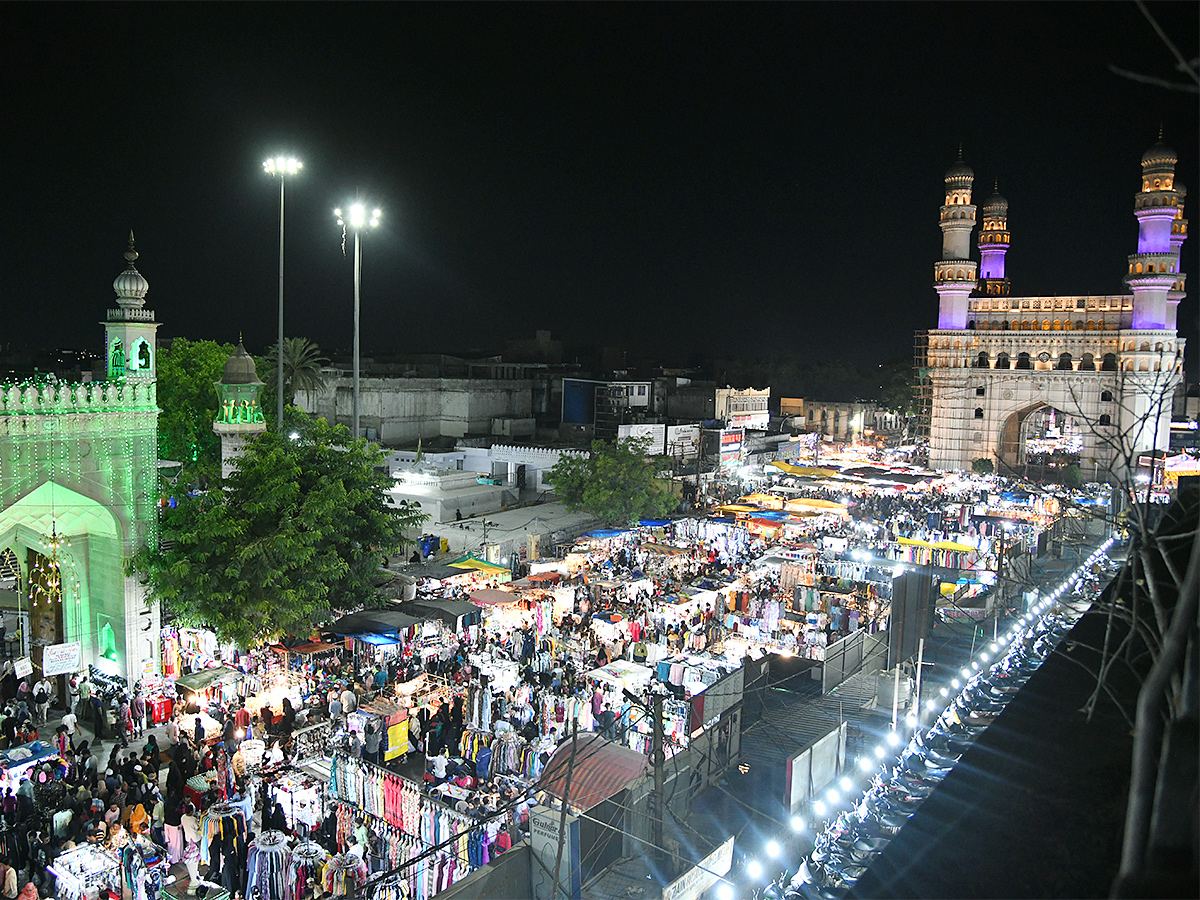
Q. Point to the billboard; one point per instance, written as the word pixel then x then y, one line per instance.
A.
pixel 655 434
pixel 683 440
pixel 755 420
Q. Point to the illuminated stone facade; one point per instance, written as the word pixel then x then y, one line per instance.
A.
pixel 80 461
pixel 1108 363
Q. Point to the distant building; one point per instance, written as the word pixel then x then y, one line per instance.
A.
pixel 1050 380
pixel 743 407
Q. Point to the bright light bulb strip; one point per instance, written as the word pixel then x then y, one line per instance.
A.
pixel 1030 624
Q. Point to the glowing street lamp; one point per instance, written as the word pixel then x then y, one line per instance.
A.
pixel 356 219
pixel 281 166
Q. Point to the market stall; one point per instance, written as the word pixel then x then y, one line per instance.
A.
pixel 87 871
pixel 201 689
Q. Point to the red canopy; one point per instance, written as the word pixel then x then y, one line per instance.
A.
pixel 601 769
pixel 546 576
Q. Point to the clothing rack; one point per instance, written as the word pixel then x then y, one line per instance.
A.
pixel 268 863
pixel 305 864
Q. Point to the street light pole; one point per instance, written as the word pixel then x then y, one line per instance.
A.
pixel 357 220
pixel 281 166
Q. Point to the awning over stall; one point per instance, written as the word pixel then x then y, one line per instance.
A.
pixel 375 621
pixel 200 681
pixel 493 597
pixel 601 768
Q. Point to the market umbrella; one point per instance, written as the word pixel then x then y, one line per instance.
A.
pixel 545 576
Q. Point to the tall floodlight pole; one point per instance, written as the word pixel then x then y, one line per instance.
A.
pixel 283 166
pixel 356 221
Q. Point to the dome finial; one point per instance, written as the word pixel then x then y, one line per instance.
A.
pixel 239 337
pixel 1160 131
pixel 959 154
pixel 131 254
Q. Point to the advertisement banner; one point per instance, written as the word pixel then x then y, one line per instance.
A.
pixel 62 659
pixel 543 842
pixel 698 879
pixel 731 446
pixel 23 667
pixel 655 434
pixel 683 440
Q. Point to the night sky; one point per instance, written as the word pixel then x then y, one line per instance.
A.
pixel 680 179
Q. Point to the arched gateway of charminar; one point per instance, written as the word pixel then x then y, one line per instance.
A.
pixel 1021 380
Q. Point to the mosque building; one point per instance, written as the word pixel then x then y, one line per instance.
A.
pixel 78 497
pixel 1026 382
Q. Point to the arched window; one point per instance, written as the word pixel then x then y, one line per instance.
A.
pixel 1159 346
pixel 116 366
pixel 971 325
pixel 1108 362
pixel 981 361
pixel 141 356
pixel 1025 325
pixel 1023 361
pixel 1138 268
pixel 1106 396
pixel 1087 363
pixel 1035 325
pixel 1002 361
pixel 959 275
pixel 1045 325
pixel 1058 325
pixel 1064 361
pixel 1105 419
pixel 1004 326
pixel 1091 324
pixel 1145 345
pixel 979 412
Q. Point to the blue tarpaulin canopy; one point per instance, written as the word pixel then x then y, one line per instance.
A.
pixel 605 532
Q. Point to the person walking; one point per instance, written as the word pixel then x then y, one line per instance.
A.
pixel 41 699
pixel 137 710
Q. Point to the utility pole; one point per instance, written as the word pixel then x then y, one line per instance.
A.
pixel 656 759
pixel 562 819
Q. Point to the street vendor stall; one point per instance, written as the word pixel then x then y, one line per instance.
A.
pixel 200 689
pixel 86 871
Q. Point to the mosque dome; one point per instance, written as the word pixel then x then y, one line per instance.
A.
pixel 239 368
pixel 1158 154
pixel 960 170
pixel 995 204
pixel 130 286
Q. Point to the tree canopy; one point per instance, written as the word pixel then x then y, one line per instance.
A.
pixel 302 362
pixel 295 534
pixel 186 372
pixel 615 482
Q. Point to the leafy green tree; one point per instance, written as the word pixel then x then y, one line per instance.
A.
pixel 295 535
pixel 186 372
pixel 302 362
pixel 1072 476
pixel 983 466
pixel 615 482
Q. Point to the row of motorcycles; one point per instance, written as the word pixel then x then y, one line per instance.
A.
pixel 847 845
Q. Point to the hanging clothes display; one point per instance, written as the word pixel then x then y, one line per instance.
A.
pixel 144 867
pixel 342 873
pixel 267 866
pixel 223 835
pixel 306 865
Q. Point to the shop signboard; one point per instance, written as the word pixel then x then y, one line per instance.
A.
pixel 544 844
pixel 698 879
pixel 731 446
pixel 754 420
